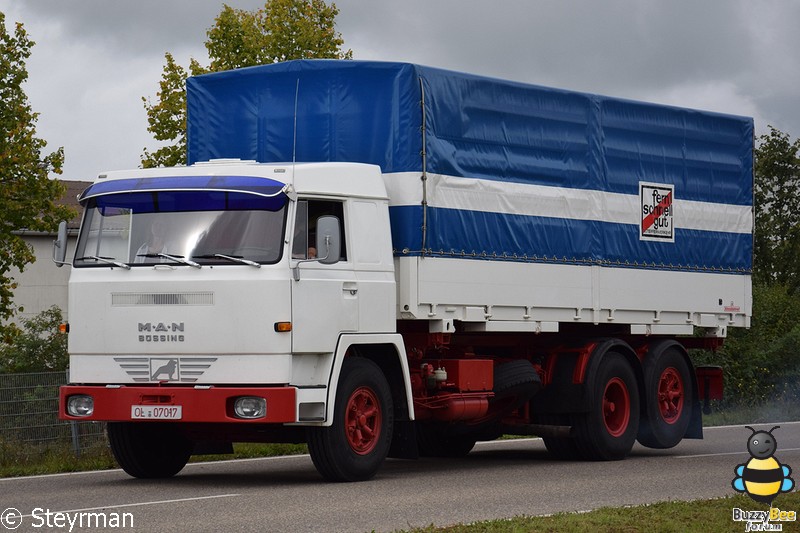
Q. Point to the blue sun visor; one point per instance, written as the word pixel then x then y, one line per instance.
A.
pixel 188 193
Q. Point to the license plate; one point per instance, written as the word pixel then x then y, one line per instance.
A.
pixel 156 412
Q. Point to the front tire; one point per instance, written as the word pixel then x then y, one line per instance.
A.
pixel 354 447
pixel 149 450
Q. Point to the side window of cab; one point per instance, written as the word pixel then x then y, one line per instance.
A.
pixel 305 235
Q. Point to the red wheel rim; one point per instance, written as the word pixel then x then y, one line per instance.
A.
pixel 363 420
pixel 670 395
pixel 616 407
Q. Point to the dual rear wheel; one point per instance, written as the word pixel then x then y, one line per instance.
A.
pixel 608 430
pixel 670 400
pixel 619 413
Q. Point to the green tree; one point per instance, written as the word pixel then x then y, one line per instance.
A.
pixel 36 347
pixel 776 241
pixel 761 363
pixel 282 30
pixel 27 196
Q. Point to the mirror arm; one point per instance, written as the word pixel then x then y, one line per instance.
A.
pixel 296 268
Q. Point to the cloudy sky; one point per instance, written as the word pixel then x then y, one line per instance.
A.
pixel 95 59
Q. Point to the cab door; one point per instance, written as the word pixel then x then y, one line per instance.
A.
pixel 325 297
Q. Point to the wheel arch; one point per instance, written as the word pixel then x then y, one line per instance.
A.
pixel 568 390
pixel 388 352
pixel 604 346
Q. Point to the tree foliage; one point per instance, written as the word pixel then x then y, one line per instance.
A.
pixel 36 347
pixel 761 364
pixel 167 117
pixel 282 30
pixel 27 196
pixel 777 203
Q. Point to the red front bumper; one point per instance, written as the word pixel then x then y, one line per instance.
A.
pixel 214 404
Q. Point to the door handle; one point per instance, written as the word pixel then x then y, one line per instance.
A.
pixel 350 287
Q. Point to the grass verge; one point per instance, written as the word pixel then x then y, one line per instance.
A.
pixel 25 459
pixel 28 459
pixel 700 516
pixel 782 410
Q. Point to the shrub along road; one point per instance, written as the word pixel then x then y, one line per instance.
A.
pixel 498 479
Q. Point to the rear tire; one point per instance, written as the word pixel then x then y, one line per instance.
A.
pixel 149 450
pixel 563 448
pixel 356 444
pixel 668 400
pixel 608 431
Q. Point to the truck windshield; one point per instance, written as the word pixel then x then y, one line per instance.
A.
pixel 181 227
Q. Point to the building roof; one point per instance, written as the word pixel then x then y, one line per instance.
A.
pixel 70 199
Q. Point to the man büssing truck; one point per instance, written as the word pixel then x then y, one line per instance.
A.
pixel 389 260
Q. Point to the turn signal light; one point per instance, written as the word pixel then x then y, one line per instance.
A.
pixel 283 327
pixel 63 328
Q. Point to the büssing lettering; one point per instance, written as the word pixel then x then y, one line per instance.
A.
pixel 161 338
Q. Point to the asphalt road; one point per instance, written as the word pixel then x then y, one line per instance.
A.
pixel 498 479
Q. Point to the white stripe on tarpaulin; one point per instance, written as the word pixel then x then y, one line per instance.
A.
pixel 472 194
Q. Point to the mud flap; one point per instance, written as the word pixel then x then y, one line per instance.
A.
pixel 695 429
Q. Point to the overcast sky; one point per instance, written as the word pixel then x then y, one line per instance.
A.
pixel 95 59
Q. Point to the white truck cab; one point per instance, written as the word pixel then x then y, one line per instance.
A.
pixel 220 292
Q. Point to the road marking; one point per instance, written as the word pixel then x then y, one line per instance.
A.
pixel 729 453
pixel 507 441
pixel 751 424
pixel 141 504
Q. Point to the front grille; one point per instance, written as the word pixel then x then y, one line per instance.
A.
pixel 127 299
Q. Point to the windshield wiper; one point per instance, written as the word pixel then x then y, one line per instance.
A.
pixel 107 260
pixel 234 258
pixel 176 258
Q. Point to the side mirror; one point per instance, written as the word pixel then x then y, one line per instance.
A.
pixel 329 242
pixel 60 245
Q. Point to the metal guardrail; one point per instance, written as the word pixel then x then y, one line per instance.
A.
pixel 29 413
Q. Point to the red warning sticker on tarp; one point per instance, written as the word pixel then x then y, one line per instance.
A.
pixel 657 220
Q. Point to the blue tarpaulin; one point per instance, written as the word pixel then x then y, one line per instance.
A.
pixel 545 174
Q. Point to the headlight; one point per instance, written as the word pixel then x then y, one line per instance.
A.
pixel 250 407
pixel 80 405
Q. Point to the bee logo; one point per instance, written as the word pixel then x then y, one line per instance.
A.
pixel 762 477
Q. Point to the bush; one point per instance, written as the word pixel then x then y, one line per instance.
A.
pixel 763 363
pixel 36 347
